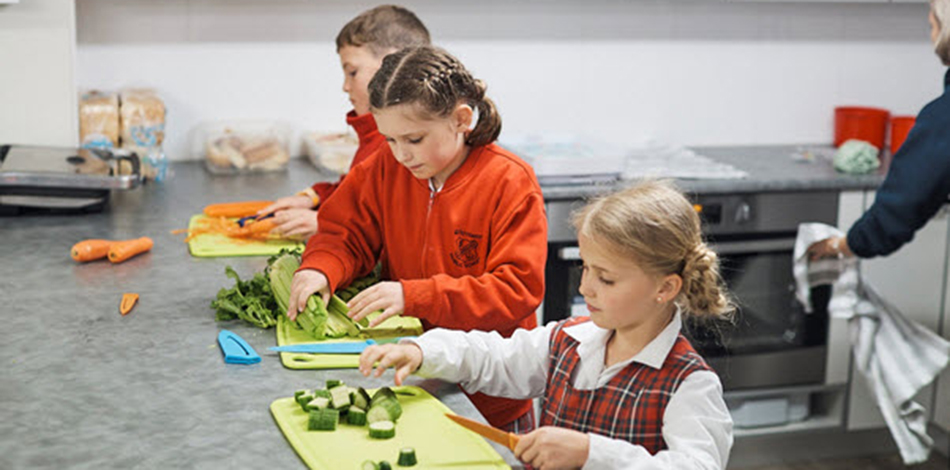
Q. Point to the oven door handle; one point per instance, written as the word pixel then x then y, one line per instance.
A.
pixel 573 253
pixel 569 253
pixel 753 246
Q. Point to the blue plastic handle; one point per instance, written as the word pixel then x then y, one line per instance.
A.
pixel 236 350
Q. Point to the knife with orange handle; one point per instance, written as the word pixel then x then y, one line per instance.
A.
pixel 507 439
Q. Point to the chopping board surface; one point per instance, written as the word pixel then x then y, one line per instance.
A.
pixel 439 442
pixel 210 245
pixel 288 335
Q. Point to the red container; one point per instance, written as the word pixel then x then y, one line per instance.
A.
pixel 900 127
pixel 867 124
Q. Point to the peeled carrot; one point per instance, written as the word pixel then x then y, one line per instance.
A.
pixel 89 250
pixel 121 251
pixel 128 302
pixel 235 209
pixel 260 229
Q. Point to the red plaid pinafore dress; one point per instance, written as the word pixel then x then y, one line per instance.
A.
pixel 629 407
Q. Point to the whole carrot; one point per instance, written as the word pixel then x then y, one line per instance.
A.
pixel 89 250
pixel 121 251
pixel 235 209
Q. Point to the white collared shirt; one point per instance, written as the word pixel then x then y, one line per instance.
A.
pixel 697 426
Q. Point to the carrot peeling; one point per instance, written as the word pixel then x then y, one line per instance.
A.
pixel 128 302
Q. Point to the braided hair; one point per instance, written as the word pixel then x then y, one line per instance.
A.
pixel 436 81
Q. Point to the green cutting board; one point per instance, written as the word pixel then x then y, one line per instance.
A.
pixel 211 245
pixel 287 335
pixel 438 441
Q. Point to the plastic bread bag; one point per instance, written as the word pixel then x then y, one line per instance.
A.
pixel 99 119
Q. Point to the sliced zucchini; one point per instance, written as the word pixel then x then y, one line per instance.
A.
pixel 333 383
pixel 340 397
pixel 323 420
pixel 360 398
pixel 321 392
pixel 383 393
pixel 318 403
pixel 382 430
pixel 384 465
pixel 384 410
pixel 369 465
pixel 303 400
pixel 407 457
pixel 356 416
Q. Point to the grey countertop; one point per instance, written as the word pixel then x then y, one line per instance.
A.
pixel 84 387
pixel 778 168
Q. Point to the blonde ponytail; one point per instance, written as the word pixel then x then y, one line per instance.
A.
pixel 703 292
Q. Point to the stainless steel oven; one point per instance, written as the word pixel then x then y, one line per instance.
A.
pixel 772 342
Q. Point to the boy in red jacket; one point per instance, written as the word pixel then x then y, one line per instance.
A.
pixel 457 222
pixel 361 44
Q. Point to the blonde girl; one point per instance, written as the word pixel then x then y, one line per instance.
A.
pixel 622 388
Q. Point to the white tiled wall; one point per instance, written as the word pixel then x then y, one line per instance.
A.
pixel 694 73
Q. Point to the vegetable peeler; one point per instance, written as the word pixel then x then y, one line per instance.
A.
pixel 236 350
pixel 244 220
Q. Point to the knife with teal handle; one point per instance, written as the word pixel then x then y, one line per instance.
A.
pixel 334 348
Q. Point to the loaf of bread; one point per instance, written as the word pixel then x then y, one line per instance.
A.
pixel 99 119
pixel 142 119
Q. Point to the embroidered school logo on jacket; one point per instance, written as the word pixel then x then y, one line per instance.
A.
pixel 629 407
pixel 465 254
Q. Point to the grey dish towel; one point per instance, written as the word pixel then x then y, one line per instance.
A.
pixel 897 356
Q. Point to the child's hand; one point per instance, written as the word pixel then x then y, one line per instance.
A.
pixel 305 284
pixel 385 296
pixel 405 358
pixel 549 448
pixel 296 223
pixel 289 202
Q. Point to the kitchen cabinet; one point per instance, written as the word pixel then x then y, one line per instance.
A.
pixel 919 296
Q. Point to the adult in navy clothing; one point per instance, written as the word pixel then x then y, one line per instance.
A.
pixel 918 181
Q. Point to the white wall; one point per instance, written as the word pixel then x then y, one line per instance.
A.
pixel 37 83
pixel 694 73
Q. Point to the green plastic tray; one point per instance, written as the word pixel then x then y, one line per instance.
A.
pixel 219 246
pixel 438 441
pixel 287 335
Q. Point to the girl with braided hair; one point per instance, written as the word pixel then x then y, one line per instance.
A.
pixel 622 388
pixel 456 221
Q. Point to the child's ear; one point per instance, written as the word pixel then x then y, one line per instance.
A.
pixel 462 117
pixel 670 287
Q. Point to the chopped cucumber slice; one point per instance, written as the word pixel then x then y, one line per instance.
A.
pixel 369 465
pixel 318 403
pixel 340 397
pixel 333 383
pixel 323 420
pixel 382 430
pixel 407 457
pixel 384 465
pixel 356 416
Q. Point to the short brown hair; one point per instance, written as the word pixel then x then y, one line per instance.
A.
pixel 437 82
pixel 383 29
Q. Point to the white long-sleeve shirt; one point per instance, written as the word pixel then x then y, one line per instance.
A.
pixel 697 426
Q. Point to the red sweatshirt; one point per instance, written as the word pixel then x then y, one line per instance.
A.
pixel 370 141
pixel 470 256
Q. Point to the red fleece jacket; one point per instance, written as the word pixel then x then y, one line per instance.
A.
pixel 470 256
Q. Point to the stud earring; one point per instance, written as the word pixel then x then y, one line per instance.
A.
pixel 659 300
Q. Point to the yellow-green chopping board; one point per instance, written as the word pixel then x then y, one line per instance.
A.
pixel 438 441
pixel 210 245
pixel 287 335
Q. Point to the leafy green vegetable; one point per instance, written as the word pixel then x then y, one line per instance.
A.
pixel 252 301
pixel 316 319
